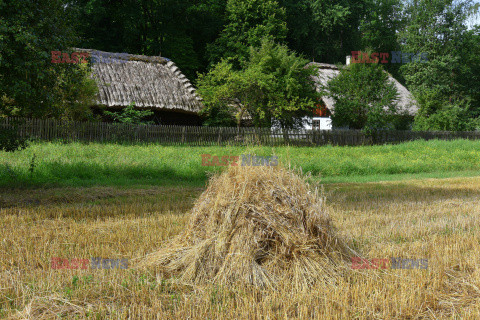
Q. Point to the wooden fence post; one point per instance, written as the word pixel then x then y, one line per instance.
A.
pixel 183 135
pixel 219 140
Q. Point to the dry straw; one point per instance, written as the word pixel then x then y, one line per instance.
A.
pixel 53 307
pixel 257 225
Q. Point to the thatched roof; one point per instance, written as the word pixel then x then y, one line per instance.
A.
pixel 326 72
pixel 150 82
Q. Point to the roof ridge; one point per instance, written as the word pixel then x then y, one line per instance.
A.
pixel 124 56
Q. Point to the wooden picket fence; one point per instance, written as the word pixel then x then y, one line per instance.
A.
pixel 72 131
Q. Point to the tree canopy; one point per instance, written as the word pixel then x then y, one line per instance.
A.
pixel 447 85
pixel 248 22
pixel 30 84
pixel 216 36
pixel 273 85
pixel 364 98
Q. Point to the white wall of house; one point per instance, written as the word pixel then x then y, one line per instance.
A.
pixel 309 123
pixel 318 123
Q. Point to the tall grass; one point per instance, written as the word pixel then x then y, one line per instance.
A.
pixel 76 164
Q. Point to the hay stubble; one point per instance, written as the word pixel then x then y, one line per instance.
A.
pixel 434 219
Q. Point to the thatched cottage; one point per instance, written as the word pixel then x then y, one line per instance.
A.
pixel 153 83
pixel 321 119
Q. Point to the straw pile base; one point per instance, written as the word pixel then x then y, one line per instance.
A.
pixel 261 226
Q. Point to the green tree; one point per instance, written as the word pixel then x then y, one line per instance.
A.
pixel 75 92
pixel 364 98
pixel 10 141
pixel 218 88
pixel 178 30
pixel 450 116
pixel 206 19
pixel 448 82
pixel 273 85
pixel 30 84
pixel 324 30
pixel 248 22
pixel 379 30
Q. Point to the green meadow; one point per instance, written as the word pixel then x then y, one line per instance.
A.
pixel 77 164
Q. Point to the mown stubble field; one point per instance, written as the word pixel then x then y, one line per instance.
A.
pixel 430 219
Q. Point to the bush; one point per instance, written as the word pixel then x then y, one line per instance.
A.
pixel 130 115
pixel 437 115
pixel 10 141
pixel 364 98
pixel 273 85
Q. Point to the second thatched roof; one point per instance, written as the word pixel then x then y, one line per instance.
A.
pixel 149 81
pixel 405 100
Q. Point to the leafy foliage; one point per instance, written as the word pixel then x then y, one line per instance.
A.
pixel 436 115
pixel 447 87
pixel 30 84
pixel 379 29
pixel 130 115
pixel 179 30
pixel 324 30
pixel 380 25
pixel 10 140
pixel 248 22
pixel 364 98
pixel 211 36
pixel 273 85
pixel 75 92
pixel 218 89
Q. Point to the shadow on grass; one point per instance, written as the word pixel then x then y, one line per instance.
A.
pixel 374 195
pixel 86 175
pixel 174 199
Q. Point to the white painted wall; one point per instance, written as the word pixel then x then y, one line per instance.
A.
pixel 325 123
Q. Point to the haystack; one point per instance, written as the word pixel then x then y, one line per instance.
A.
pixel 256 225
